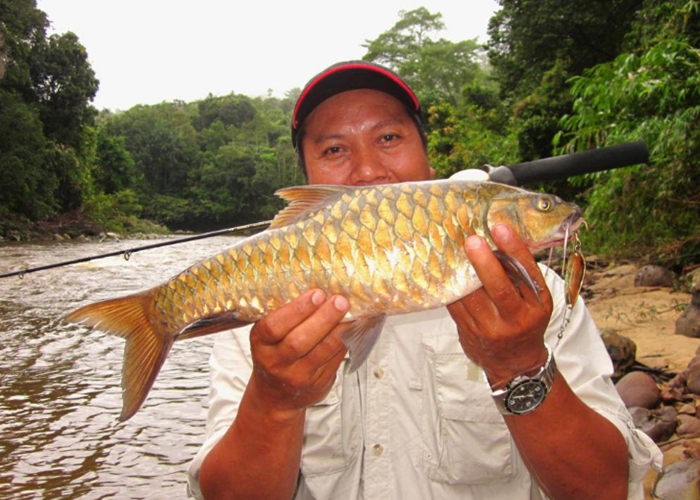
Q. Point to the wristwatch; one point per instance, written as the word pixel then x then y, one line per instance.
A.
pixel 524 394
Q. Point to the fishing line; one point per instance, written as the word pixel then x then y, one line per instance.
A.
pixel 128 252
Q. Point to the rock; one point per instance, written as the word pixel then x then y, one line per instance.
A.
pixel 659 424
pixel 687 409
pixel 678 481
pixel 688 323
pixel 675 389
pixel 109 235
pixel 621 349
pixel 639 389
pixel 692 375
pixel 688 426
pixel 652 275
pixel 694 276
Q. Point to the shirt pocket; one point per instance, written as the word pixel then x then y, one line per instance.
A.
pixel 331 441
pixel 465 438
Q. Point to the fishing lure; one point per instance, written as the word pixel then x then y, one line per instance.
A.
pixel 574 272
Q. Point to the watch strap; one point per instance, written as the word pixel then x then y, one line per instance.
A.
pixel 545 376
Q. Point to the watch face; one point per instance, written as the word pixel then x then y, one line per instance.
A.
pixel 526 396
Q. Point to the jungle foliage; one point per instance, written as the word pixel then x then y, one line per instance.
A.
pixel 553 77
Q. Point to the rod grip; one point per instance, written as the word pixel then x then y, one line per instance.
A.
pixel 560 167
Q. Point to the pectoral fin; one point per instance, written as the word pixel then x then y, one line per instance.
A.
pixel 517 273
pixel 361 337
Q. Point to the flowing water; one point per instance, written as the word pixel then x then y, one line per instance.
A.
pixel 60 394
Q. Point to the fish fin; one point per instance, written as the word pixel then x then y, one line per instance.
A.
pixel 147 344
pixel 517 273
pixel 213 324
pixel 303 199
pixel 360 338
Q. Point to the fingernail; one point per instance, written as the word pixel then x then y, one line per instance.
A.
pixel 341 303
pixel 500 230
pixel 473 242
pixel 318 297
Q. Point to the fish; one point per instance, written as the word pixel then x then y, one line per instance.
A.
pixel 389 248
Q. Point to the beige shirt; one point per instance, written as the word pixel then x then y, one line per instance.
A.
pixel 417 421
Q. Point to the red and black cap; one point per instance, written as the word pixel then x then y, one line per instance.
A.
pixel 350 75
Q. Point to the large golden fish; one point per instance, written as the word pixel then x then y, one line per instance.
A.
pixel 389 249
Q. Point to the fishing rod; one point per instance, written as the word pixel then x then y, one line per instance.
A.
pixel 127 252
pixel 548 169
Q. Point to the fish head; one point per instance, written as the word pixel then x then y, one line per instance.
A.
pixel 542 220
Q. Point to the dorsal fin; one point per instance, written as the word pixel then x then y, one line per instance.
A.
pixel 303 199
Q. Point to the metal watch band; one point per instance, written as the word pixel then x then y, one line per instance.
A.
pixel 540 383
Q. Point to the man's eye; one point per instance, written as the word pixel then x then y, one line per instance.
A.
pixel 389 137
pixel 332 150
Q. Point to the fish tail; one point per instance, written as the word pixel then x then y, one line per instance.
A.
pixel 147 342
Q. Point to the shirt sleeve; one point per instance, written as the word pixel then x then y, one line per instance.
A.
pixel 585 363
pixel 230 367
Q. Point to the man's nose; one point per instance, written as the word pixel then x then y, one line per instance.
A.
pixel 368 167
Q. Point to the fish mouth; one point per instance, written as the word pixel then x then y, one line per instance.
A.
pixel 568 229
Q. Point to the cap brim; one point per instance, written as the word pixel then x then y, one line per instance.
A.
pixel 347 76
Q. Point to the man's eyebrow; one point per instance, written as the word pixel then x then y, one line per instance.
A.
pixel 326 137
pixel 389 122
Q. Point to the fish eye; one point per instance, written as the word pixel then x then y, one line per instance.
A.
pixel 544 203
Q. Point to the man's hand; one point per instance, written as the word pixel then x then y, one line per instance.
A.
pixel 501 326
pixel 297 351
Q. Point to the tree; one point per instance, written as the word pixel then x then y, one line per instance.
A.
pixel 528 37
pixel 536 46
pixel 651 94
pixel 163 144
pixel 47 88
pixel 435 69
pixel 22 27
pixel 399 46
pixel 114 170
pixel 27 188
pixel 64 84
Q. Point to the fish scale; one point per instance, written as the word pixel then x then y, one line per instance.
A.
pixel 389 249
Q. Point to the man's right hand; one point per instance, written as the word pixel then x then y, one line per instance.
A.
pixel 296 352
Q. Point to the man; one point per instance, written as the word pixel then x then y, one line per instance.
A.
pixel 432 412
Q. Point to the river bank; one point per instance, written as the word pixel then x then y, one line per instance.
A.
pixel 75 226
pixel 647 316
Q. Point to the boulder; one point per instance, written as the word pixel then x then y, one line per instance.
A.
pixel 688 323
pixel 652 275
pixel 678 481
pixel 639 389
pixel 659 424
pixel 621 349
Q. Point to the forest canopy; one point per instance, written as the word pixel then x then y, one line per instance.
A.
pixel 553 77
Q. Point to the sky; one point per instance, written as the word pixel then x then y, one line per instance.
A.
pixel 150 51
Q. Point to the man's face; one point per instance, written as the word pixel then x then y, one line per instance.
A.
pixel 363 137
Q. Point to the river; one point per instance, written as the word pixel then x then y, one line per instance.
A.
pixel 60 394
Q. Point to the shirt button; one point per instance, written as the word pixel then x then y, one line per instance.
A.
pixel 378 450
pixel 378 373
